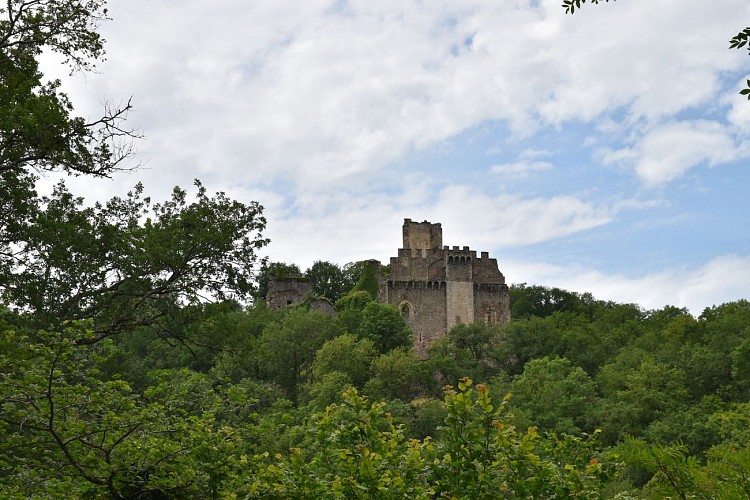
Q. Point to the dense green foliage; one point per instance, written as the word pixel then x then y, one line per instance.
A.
pixel 295 403
pixel 368 281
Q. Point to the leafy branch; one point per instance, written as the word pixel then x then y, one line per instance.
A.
pixel 737 42
pixel 570 6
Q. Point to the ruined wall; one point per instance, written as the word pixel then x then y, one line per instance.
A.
pixel 459 303
pixel 434 286
pixel 287 292
pixel 486 270
pixel 323 305
pixel 491 303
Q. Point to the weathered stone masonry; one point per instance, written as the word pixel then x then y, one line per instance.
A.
pixel 287 292
pixel 294 291
pixel 437 287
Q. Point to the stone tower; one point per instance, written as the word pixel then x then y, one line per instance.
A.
pixel 437 287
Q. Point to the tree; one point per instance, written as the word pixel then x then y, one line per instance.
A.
pixel 737 42
pixel 467 349
pixel 326 389
pixel 674 470
pixel 350 310
pixel 37 131
pixel 385 326
pixel 571 5
pixel 327 280
pixel 395 375
pixel 527 301
pixel 362 276
pixel 555 393
pixel 131 263
pixel 126 263
pixel 70 425
pixel 345 354
pixel 357 450
pixel 217 338
pixel 481 456
pixel 525 340
pixel 66 432
pixel 473 337
pixel 691 425
pixel 651 391
pixel 288 347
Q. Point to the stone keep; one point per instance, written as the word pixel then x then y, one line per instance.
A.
pixel 437 287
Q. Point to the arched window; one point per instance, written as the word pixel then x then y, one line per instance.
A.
pixel 405 308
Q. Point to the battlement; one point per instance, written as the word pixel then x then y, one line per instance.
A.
pixel 416 285
pixel 455 252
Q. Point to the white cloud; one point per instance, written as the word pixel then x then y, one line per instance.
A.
pixel 530 154
pixel 321 92
pixel 723 279
pixel 347 226
pixel 520 168
pixel 492 221
pixel 739 114
pixel 669 150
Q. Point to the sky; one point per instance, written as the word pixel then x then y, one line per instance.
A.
pixel 604 152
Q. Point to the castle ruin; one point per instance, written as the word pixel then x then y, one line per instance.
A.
pixel 288 291
pixel 437 287
pixel 293 291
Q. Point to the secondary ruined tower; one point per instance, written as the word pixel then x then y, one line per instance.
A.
pixel 437 287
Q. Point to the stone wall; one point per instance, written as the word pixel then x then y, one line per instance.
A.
pixel 423 305
pixel 491 303
pixel 421 265
pixel 287 292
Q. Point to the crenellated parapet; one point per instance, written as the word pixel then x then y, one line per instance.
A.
pixel 490 287
pixel 416 285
